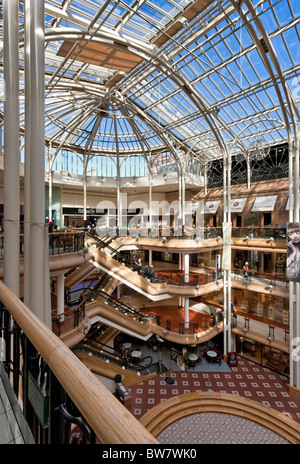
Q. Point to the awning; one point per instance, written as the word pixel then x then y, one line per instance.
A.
pixel 237 206
pixel 211 207
pixel 288 202
pixel 264 203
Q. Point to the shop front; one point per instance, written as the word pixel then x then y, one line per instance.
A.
pixel 265 355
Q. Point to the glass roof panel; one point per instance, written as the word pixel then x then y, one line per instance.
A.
pixel 202 74
pixel 295 7
pixel 282 12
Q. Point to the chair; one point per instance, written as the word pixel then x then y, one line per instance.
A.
pixel 218 359
pixel 192 364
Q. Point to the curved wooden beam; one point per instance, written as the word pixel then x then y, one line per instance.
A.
pixel 173 409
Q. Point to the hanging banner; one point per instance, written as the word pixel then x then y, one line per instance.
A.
pixel 293 252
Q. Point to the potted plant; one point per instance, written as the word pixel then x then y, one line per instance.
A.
pixel 253 220
pixel 186 357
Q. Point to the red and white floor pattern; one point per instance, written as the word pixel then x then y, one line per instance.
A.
pixel 248 379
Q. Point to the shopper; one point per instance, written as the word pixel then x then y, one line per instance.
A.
pixel 246 269
pixel 139 265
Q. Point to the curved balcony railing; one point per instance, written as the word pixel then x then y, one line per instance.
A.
pixel 139 315
pixel 66 241
pixel 253 276
pixel 277 233
pixel 251 232
pixel 59 242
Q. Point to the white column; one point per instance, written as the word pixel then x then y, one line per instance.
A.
pixel 291 284
pixel 150 197
pixel 84 198
pixel 186 267
pixel 186 312
pixel 183 196
pixel 205 179
pixel 228 329
pixel 180 268
pixel 39 257
pixel 60 290
pixel 50 183
pixel 179 201
pixel 150 257
pixel 226 272
pixel 27 217
pixel 296 333
pixel 248 171
pixel 119 206
pixel 11 147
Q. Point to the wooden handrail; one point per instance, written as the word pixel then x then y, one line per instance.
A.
pixel 110 420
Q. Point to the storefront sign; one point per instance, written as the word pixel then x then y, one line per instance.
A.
pixel 211 207
pixel 71 211
pixel 264 203
pixel 237 206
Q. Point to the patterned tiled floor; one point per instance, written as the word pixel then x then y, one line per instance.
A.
pixel 248 379
pixel 217 429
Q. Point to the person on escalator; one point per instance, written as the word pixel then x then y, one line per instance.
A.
pixel 151 273
pixel 134 264
pixel 139 265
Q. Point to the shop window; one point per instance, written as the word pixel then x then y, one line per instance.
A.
pixel 267 219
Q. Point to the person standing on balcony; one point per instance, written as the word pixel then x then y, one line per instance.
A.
pixel 246 269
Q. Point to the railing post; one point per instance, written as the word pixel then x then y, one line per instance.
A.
pixel 57 397
pixel 7 334
pixel 16 358
pixel 28 351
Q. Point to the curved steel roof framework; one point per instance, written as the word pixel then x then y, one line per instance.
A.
pixel 141 77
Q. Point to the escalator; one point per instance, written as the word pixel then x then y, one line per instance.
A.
pixel 104 244
pixel 105 353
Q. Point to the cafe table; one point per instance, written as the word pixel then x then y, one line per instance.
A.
pixel 211 355
pixel 136 354
pixel 126 346
pixel 193 357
